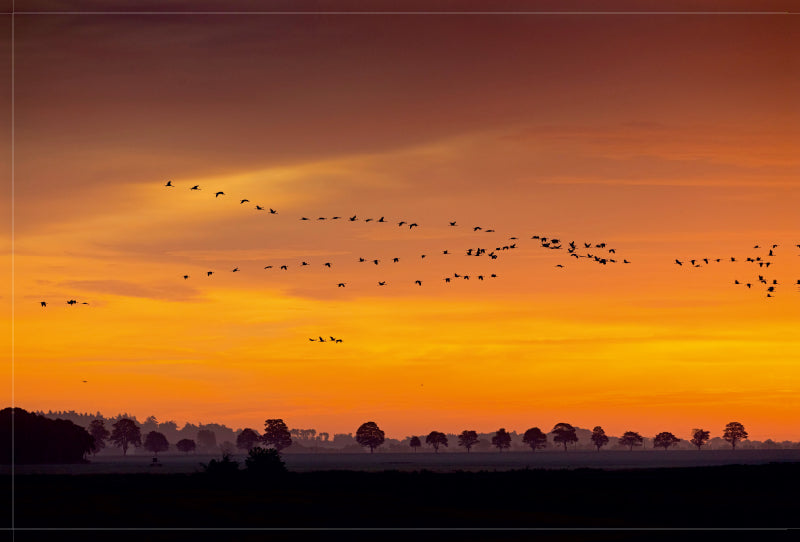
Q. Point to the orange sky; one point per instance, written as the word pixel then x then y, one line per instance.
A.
pixel 664 136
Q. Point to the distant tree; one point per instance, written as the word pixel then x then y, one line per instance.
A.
pixel 369 434
pixel 665 440
pixel 323 436
pixel 699 437
pixel 436 439
pixel 227 448
pixel 276 434
pixel 468 439
pixel 149 424
pixel 186 445
pixel 125 433
pixel 630 439
pixel 98 430
pixel 599 438
pixel 264 462
pixel 247 439
pixel 156 442
pixel 415 443
pixel 734 432
pixel 206 439
pixel 534 438
pixel 501 440
pixel 564 434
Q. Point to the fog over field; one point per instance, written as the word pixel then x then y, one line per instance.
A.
pixel 140 462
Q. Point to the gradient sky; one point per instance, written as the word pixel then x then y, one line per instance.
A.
pixel 664 136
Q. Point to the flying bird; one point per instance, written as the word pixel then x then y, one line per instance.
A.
pixel 44 303
pixel 195 187
pixel 340 285
pixel 244 201
pixel 267 267
pixel 209 273
pixel 418 282
pixel 395 260
pixel 381 219
pixel 381 283
pixel 169 183
pixel 218 194
pixel 185 277
pixel 259 208
pixel 71 302
pixel 273 211
pixel 353 218
pixel 303 218
pixel 453 224
pixel 284 267
pixel 327 264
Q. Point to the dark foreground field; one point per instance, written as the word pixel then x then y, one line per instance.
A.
pixel 733 496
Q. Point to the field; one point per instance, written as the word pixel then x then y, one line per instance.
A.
pixel 441 462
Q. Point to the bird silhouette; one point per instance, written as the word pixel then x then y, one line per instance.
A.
pixel 327 264
pixel 218 194
pixel 169 183
pixel 678 262
pixel 445 252
pixel 401 222
pixel 235 269
pixel 418 282
pixel 362 260
pixel 304 263
pixel 412 225
pixel 340 285
pixel 195 187
pixel 559 265
pixel 71 302
pixel 381 283
pixel 259 208
pixel 375 262
pixel 185 277
pixel 244 201
pixel 395 260
pixel 44 303
pixel 267 267
pixel 353 218
pixel 303 218
pixel 273 211
pixel 369 220
pixel 381 219
pixel 453 224
pixel 284 267
pixel 447 279
pixel 209 273
pixel 476 228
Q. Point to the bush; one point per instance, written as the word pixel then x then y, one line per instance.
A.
pixel 265 462
pixel 226 467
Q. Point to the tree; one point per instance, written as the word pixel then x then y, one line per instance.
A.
pixel 206 439
pixel 699 437
pixel 264 462
pixel 630 439
pixel 534 438
pixel 564 434
pixel 98 430
pixel 734 432
pixel 436 439
pixel 247 439
pixel 501 440
pixel 221 469
pixel 156 442
pixel 369 434
pixel 415 443
pixel 665 440
pixel 468 439
pixel 37 439
pixel 125 433
pixel 276 434
pixel 186 445
pixel 599 437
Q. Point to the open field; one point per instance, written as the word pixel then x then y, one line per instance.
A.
pixel 442 462
pixel 733 496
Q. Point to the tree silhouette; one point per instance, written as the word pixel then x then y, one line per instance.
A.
pixel 599 438
pixel 125 433
pixel 415 443
pixel 501 440
pixel 564 433
pixel 630 439
pixel 436 439
pixel 734 432
pixel 665 440
pixel 534 438
pixel 276 434
pixel 221 469
pixel 468 439
pixel 699 437
pixel 206 439
pixel 37 439
pixel 156 442
pixel 247 439
pixel 98 430
pixel 264 462
pixel 368 434
pixel 186 445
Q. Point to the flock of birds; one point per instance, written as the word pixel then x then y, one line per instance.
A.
pixel 598 253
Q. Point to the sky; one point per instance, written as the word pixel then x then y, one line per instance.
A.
pixel 660 136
